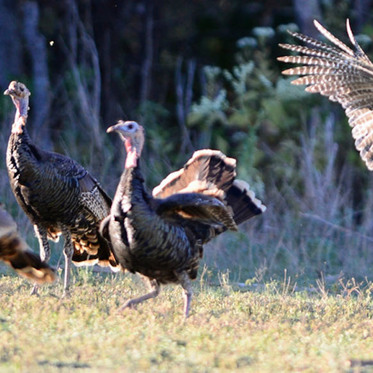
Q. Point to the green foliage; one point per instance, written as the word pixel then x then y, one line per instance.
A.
pixel 209 111
pixel 233 109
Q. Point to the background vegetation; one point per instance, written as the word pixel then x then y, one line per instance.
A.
pixel 292 291
pixel 200 74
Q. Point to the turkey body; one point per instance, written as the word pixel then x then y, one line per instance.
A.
pixel 58 195
pixel 56 192
pixel 342 74
pixel 15 252
pixel 145 242
pixel 161 236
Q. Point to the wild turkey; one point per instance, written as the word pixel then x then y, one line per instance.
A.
pixel 161 236
pixel 342 74
pixel 14 252
pixel 58 195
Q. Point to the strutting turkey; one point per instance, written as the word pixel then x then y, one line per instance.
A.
pixel 15 252
pixel 344 75
pixel 161 236
pixel 58 195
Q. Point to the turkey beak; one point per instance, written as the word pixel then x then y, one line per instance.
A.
pixel 7 92
pixel 115 128
pixel 111 129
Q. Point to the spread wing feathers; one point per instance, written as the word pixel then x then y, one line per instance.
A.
pixel 242 201
pixel 198 207
pixel 211 173
pixel 343 74
pixel 14 252
pixel 208 171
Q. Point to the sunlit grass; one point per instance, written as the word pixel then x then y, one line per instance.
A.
pixel 271 328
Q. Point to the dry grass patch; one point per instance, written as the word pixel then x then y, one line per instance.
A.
pixel 229 329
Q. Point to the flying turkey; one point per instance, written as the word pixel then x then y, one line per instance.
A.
pixel 14 252
pixel 161 236
pixel 343 74
pixel 58 195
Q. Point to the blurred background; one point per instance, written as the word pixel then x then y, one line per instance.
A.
pixel 200 74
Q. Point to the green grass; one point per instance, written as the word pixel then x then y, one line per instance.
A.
pixel 259 328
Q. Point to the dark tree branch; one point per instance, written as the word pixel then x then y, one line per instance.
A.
pixel 83 53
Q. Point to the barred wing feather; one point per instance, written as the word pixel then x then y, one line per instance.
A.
pixel 344 75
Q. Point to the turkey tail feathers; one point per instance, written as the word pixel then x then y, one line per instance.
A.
pixel 243 202
pixel 14 252
pixel 211 173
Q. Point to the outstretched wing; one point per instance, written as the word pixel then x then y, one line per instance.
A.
pixel 197 207
pixel 342 74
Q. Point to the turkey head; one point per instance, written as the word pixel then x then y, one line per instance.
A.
pixel 20 96
pixel 132 135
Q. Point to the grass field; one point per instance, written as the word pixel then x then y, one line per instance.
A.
pixel 265 327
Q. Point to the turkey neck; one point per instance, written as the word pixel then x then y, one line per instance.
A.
pixel 131 184
pixel 19 135
pixel 21 150
pixel 147 232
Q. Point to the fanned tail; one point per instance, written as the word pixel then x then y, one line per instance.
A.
pixel 243 202
pixel 210 172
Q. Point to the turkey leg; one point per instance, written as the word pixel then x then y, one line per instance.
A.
pixel 45 251
pixel 187 290
pixel 68 251
pixel 155 290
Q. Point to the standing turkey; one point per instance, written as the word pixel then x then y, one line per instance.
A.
pixel 14 252
pixel 161 236
pixel 342 74
pixel 58 195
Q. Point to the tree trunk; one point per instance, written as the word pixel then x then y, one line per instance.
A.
pixel 148 53
pixel 305 13
pixel 10 42
pixel 36 46
pixel 362 11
